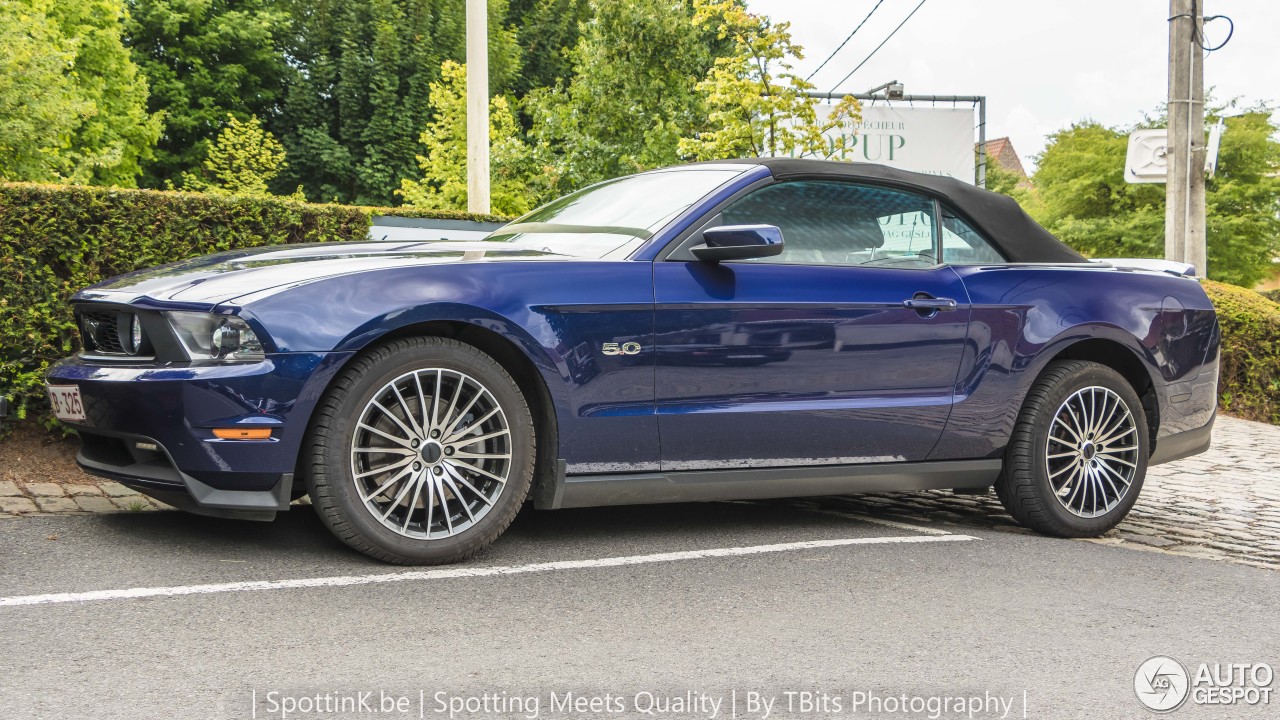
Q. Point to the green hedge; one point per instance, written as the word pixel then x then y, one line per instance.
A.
pixel 56 239
pixel 1249 385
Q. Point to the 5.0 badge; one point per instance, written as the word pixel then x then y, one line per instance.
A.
pixel 626 348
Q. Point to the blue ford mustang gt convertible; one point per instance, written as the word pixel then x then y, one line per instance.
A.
pixel 736 330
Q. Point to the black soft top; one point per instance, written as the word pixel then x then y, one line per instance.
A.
pixel 997 216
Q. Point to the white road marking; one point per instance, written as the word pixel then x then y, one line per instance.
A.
pixel 878 521
pixel 462 572
pixel 853 516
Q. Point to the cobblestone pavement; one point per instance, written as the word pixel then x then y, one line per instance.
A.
pixel 1221 505
pixel 18 498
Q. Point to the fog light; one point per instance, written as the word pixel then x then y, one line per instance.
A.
pixel 152 447
pixel 135 335
pixel 242 433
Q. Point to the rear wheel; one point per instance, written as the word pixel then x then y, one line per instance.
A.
pixel 422 452
pixel 1078 455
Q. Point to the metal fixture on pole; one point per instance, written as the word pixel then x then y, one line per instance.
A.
pixel 478 106
pixel 982 142
pixel 893 90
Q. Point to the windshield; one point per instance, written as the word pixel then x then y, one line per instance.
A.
pixel 614 217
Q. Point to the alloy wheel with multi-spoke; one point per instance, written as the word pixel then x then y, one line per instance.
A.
pixel 431 453
pixel 1091 453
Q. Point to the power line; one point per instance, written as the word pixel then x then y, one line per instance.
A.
pixel 1231 30
pixel 846 40
pixel 882 42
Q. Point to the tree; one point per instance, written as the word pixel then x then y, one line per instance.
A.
pixel 756 106
pixel 72 103
pixel 1243 201
pixel 444 182
pixel 116 137
pixel 205 59
pixel 356 105
pixel 241 161
pixel 1080 195
pixel 632 95
pixel 547 31
pixel 39 106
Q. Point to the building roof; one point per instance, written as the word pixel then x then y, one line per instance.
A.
pixel 1002 150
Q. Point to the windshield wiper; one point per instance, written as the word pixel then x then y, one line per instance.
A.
pixel 538 227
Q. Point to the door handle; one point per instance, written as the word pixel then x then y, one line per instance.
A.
pixel 930 304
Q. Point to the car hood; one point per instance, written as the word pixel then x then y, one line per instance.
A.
pixel 213 279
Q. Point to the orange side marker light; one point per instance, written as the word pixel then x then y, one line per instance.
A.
pixel 242 433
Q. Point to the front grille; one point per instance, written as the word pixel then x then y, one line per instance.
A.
pixel 100 332
pixel 106 334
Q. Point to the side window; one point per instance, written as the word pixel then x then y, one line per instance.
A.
pixel 838 223
pixel 962 245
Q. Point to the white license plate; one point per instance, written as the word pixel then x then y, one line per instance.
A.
pixel 66 402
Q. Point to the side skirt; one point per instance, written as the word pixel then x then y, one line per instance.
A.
pixel 758 484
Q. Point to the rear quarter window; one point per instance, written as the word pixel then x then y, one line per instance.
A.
pixel 963 245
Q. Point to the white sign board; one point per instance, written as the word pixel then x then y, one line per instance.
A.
pixel 1148 158
pixel 937 141
pixel 1215 142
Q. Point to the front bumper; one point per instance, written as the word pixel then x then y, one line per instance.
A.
pixel 151 428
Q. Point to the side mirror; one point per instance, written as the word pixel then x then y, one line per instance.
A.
pixel 738 242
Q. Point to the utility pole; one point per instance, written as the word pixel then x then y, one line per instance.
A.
pixel 1184 235
pixel 478 106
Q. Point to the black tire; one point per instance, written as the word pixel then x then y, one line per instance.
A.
pixel 1025 487
pixel 329 461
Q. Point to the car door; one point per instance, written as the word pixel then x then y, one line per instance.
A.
pixel 843 349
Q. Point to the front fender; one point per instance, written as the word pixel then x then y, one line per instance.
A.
pixel 542 356
pixel 559 314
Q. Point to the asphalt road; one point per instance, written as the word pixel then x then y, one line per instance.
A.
pixel 1059 625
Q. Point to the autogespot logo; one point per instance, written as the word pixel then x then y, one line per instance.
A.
pixel 1162 683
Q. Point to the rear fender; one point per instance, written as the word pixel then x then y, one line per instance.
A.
pixel 1025 317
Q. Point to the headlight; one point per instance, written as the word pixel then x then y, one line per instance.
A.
pixel 216 337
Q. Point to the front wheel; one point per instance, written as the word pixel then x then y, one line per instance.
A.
pixel 1078 455
pixel 421 452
